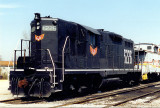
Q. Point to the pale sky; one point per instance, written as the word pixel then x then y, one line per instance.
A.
pixel 138 20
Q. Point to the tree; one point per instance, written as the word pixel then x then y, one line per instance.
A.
pixel 0 71
pixel 0 67
pixel 25 35
pixel 0 58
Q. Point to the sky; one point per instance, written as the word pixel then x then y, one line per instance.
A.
pixel 138 20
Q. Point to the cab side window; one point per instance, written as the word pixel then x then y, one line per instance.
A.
pixel 81 42
pixel 93 39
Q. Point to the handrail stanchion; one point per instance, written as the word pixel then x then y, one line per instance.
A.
pixel 29 48
pixel 14 59
pixel 54 81
pixel 63 57
pixel 21 46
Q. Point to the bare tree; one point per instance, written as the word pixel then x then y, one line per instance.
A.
pixel 0 66
pixel 0 58
pixel 25 35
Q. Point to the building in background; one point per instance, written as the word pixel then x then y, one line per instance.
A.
pixel 5 68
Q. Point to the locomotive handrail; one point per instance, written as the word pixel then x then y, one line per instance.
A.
pixel 28 48
pixel 64 46
pixel 16 58
pixel 14 55
pixel 21 50
pixel 54 81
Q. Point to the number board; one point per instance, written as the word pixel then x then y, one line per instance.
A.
pixel 127 56
pixel 49 28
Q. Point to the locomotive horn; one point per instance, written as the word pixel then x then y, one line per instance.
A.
pixel 37 16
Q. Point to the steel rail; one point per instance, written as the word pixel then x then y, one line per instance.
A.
pixel 8 100
pixel 149 101
pixel 22 101
pixel 30 102
pixel 133 98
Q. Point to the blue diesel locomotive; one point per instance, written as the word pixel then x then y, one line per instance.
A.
pixel 65 55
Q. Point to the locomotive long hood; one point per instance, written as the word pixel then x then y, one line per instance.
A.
pixel 90 29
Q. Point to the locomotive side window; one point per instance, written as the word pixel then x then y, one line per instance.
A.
pixel 93 39
pixel 149 47
pixel 142 55
pixel 155 49
pixel 81 43
pixel 116 38
pixel 153 61
pixel 128 44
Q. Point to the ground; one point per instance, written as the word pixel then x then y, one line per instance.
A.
pixel 5 94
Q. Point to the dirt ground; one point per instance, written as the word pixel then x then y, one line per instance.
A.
pixel 4 92
pixel 4 87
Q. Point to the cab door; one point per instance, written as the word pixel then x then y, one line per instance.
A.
pixel 93 48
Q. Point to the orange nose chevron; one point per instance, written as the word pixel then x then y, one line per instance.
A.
pixel 39 38
pixel 93 51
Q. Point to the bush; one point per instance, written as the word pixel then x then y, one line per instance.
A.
pixel 4 75
pixel 0 71
pixel 0 74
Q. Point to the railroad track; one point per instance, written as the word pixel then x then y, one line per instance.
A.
pixel 134 98
pixel 117 92
pixel 92 97
pixel 9 100
pixel 21 101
